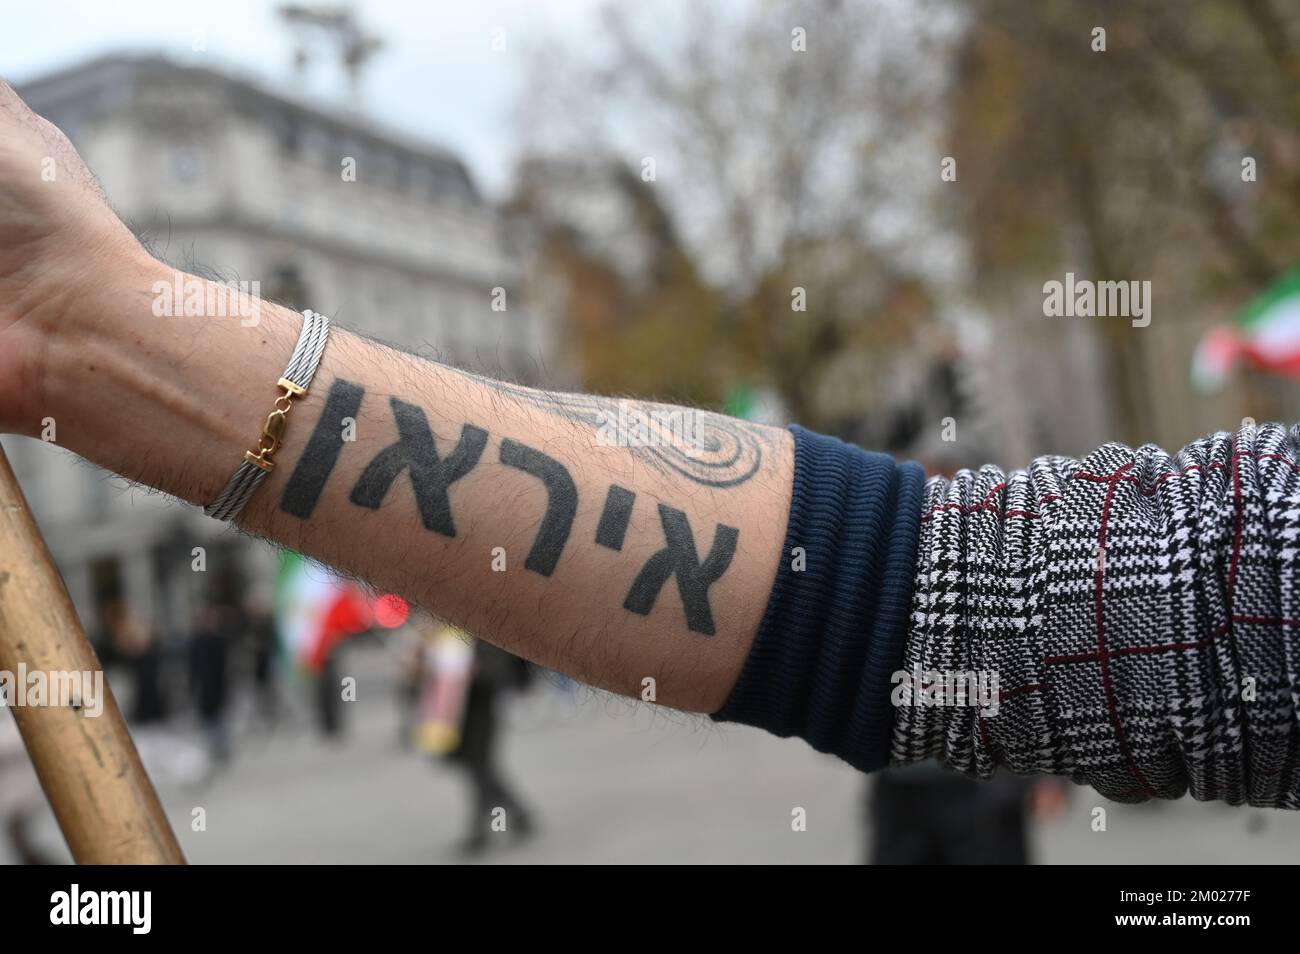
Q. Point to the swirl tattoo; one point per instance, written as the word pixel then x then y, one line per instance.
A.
pixel 707 448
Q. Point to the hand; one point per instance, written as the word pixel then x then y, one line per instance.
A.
pixel 61 245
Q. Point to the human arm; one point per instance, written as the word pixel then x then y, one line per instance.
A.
pixel 410 474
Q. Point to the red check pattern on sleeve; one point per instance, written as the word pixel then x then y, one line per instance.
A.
pixel 1141 612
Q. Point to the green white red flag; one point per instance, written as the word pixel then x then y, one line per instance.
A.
pixel 1265 335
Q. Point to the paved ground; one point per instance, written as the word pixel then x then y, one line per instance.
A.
pixel 616 783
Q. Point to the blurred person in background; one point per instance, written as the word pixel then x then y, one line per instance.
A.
pixel 459 720
pixel 264 646
pixel 329 701
pixel 217 628
pixel 126 643
pixel 129 641
pixel 925 814
pixel 408 646
pixel 335 611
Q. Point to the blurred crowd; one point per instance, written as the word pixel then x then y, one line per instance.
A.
pixel 234 680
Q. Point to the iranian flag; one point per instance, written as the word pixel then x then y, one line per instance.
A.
pixel 316 609
pixel 1265 335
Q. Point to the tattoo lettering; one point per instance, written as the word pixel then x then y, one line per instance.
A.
pixel 730 455
pixel 431 476
pixel 615 517
pixel 561 503
pixel 322 452
pixel 679 558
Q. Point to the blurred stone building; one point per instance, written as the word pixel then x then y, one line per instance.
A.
pixel 243 183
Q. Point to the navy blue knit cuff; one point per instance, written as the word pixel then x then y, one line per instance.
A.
pixel 834 630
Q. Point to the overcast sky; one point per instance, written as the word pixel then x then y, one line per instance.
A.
pixel 438 77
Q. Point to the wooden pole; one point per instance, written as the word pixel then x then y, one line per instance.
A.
pixel 92 775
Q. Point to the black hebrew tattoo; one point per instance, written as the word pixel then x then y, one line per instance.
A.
pixel 707 448
pixel 615 517
pixel 679 558
pixel 561 503
pixel 431 475
pixel 322 451
pixel 731 456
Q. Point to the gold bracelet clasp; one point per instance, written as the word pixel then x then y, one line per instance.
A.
pixel 276 423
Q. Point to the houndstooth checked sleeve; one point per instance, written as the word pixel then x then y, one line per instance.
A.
pixel 1141 612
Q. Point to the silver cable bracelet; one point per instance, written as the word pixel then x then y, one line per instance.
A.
pixel 297 378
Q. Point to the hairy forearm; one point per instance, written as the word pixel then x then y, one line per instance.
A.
pixel 510 511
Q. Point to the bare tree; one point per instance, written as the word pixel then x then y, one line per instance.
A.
pixel 1123 151
pixel 794 145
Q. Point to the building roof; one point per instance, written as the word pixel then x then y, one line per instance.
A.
pixel 107 84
